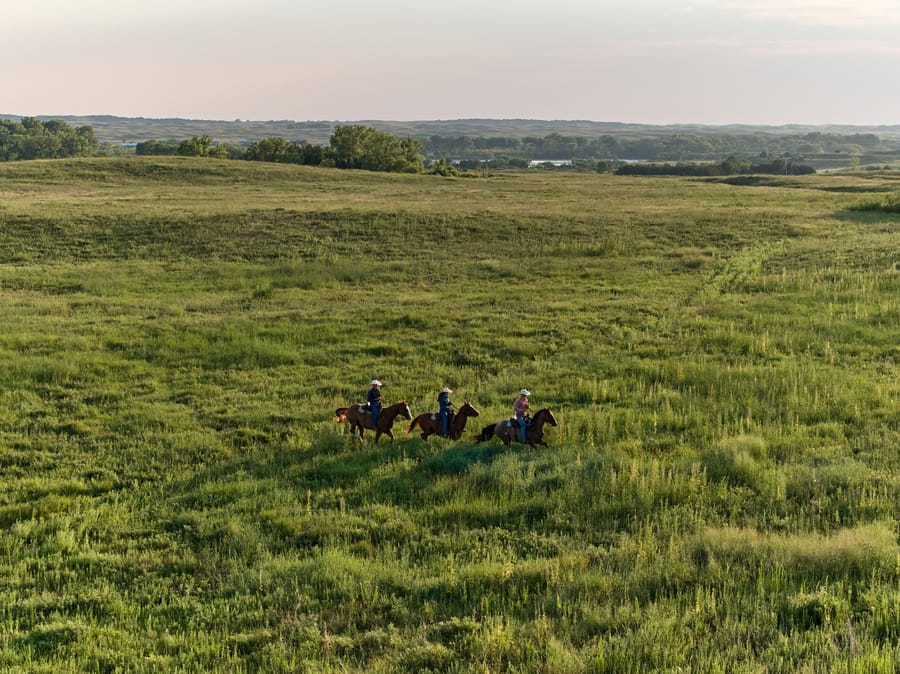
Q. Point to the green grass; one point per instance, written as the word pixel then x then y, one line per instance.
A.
pixel 721 493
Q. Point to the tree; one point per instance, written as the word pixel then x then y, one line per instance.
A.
pixel 312 155
pixel 361 147
pixel 268 149
pixel 198 146
pixel 156 147
pixel 380 152
pixel 347 145
pixel 30 138
pixel 411 152
pixel 730 166
pixel 442 167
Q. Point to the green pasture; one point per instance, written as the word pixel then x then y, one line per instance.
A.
pixel 722 492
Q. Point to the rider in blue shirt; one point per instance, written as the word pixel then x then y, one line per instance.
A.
pixel 375 401
pixel 446 409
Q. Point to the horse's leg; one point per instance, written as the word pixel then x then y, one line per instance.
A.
pixel 487 433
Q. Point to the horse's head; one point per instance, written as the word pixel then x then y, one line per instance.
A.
pixel 468 410
pixel 340 415
pixel 404 410
pixel 548 414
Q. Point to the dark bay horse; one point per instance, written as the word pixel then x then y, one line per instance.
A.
pixel 430 422
pixel 360 418
pixel 508 429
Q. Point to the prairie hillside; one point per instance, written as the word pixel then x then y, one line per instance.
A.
pixel 721 493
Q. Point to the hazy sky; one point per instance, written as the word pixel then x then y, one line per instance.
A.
pixel 642 61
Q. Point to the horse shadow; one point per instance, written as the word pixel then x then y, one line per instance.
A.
pixel 458 459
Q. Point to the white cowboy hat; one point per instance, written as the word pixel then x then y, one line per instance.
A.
pixel 446 390
pixel 524 392
pixel 375 382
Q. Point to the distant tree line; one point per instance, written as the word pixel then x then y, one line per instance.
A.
pixel 352 147
pixel 30 138
pixel 730 166
pixel 363 147
pixel 674 147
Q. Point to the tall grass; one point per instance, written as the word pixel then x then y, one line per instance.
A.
pixel 721 493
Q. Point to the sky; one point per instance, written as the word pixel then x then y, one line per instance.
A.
pixel 632 61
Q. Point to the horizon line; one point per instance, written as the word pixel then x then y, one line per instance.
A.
pixel 238 120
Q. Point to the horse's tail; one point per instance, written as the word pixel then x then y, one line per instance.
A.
pixel 486 433
pixel 414 423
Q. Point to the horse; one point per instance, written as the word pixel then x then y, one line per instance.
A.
pixel 508 430
pixel 360 418
pixel 430 422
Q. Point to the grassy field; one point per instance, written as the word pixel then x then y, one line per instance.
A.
pixel 722 492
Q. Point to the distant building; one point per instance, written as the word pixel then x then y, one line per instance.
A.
pixel 551 162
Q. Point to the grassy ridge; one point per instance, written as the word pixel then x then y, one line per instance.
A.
pixel 721 493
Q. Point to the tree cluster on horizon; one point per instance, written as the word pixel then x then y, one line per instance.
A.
pixel 351 147
pixel 30 138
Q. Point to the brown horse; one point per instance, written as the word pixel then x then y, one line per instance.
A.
pixel 430 422
pixel 360 418
pixel 508 430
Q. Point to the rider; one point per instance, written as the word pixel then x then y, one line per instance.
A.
pixel 446 410
pixel 520 407
pixel 375 401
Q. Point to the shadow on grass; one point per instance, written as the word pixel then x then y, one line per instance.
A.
pixel 402 474
pixel 458 459
pixel 412 487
